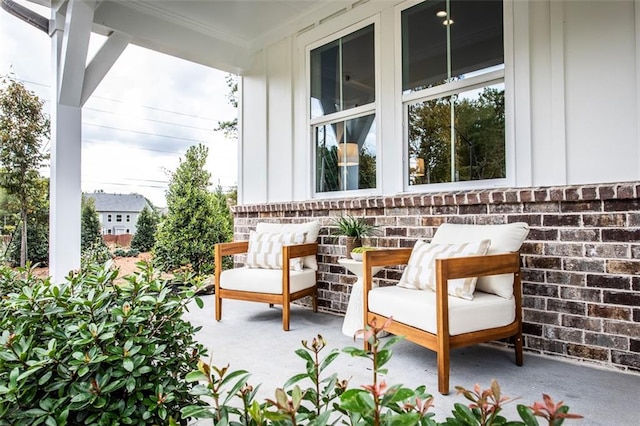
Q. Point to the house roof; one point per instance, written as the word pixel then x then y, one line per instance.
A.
pixel 118 202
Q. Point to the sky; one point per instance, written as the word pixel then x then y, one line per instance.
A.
pixel 140 120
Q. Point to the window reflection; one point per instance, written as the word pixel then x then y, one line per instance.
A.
pixel 458 138
pixel 343 73
pixel 346 154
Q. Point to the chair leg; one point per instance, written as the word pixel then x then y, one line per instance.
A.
pixel 443 370
pixel 285 316
pixel 218 306
pixel 518 348
pixel 271 305
pixel 314 301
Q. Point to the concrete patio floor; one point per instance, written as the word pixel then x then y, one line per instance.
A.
pixel 250 337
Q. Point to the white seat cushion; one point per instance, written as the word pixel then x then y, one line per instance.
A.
pixel 417 308
pixel 504 238
pixel 311 229
pixel 266 280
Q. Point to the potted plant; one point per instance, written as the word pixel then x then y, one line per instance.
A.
pixel 354 229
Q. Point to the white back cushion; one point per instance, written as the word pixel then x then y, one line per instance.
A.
pixel 420 273
pixel 265 250
pixel 504 239
pixel 312 229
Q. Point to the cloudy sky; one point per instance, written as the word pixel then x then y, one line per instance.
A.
pixel 140 120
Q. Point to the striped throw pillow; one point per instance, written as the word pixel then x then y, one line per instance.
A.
pixel 420 273
pixel 265 249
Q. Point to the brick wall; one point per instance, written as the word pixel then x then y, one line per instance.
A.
pixel 581 261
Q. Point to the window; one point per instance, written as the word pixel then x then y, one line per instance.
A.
pixel 343 116
pixel 118 218
pixel 453 91
pixel 109 231
pixel 127 231
pixel 108 218
pixel 128 218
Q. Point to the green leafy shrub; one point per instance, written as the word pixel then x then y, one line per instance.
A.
pixel 37 244
pixel 126 253
pixel 87 351
pixel 329 401
pixel 196 220
pixel 96 253
pixel 146 226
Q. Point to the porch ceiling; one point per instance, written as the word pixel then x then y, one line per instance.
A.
pixel 219 33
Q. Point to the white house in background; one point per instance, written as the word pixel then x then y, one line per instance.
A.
pixel 118 213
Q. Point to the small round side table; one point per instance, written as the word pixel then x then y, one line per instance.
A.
pixel 354 317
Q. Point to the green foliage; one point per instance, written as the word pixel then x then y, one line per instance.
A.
pixel 146 227
pixel 330 401
pixel 23 129
pixel 357 227
pixel 478 132
pixel 91 233
pixel 230 128
pixel 87 351
pixel 126 253
pixel 197 219
pixel 37 244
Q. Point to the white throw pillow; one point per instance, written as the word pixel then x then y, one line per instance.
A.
pixel 505 238
pixel 265 250
pixel 420 273
pixel 312 229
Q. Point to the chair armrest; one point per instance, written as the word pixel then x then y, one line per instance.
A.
pixel 235 247
pixel 372 258
pixel 478 266
pixel 299 250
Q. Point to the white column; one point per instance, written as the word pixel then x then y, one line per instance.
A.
pixel 66 192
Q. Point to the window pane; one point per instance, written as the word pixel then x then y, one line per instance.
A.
pixel 445 40
pixel 346 155
pixel 343 73
pixel 468 127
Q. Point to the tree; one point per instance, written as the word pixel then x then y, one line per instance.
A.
pixel 23 129
pixel 37 227
pixel 91 233
pixel 146 227
pixel 196 218
pixel 230 128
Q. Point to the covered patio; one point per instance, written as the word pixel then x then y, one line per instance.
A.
pixel 250 338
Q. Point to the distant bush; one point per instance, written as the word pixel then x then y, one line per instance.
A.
pixel 146 227
pixel 126 253
pixel 37 245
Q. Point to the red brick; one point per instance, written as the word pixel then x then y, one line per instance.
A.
pixel 622 328
pixel 625 298
pixel 626 359
pixel 532 276
pixel 473 209
pixel 621 205
pixel 605 220
pixel 579 235
pixel 563 334
pixel 565 278
pixel 532 329
pixel 606 192
pixel 540 290
pixel 542 234
pixel 542 262
pixel 582 323
pixel 566 306
pixel 609 281
pixel 563 249
pixel 552 220
pixel 580 265
pixel 541 317
pixel 630 267
pixel 580 293
pixel 588 193
pixel 588 352
pixel 621 235
pixel 607 250
pixel 606 341
pixel 609 312
pixel 581 206
pixel 625 191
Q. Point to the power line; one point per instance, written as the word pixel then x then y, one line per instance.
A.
pixel 181 152
pixel 143 133
pixel 125 102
